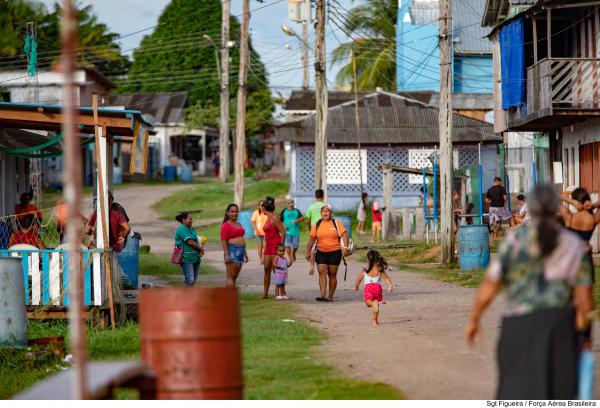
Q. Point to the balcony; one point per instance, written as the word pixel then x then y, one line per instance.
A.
pixel 560 92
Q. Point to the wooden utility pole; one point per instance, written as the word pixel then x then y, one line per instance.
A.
pixel 445 129
pixel 240 125
pixel 321 98
pixel 305 79
pixel 224 120
pixel 72 193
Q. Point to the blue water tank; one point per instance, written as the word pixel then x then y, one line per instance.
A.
pixel 186 174
pixel 117 178
pixel 13 316
pixel 244 219
pixel 473 246
pixel 347 221
pixel 170 173
pixel 129 260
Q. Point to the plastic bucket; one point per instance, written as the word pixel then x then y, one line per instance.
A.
pixel 244 218
pixel 186 174
pixel 129 259
pixel 473 247
pixel 190 337
pixel 170 173
pixel 13 316
pixel 347 221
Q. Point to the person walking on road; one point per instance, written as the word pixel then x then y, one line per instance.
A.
pixel 361 214
pixel 313 215
pixel 291 217
pixel 187 239
pixel 332 243
pixel 258 220
pixel 546 276
pixel 233 244
pixel 274 236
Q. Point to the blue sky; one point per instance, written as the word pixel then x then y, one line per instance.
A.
pixel 127 16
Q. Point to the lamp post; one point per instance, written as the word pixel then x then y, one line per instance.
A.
pixel 305 47
pixel 223 72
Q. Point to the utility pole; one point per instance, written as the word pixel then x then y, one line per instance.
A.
pixel 321 99
pixel 305 80
pixel 224 77
pixel 72 193
pixel 240 125
pixel 445 129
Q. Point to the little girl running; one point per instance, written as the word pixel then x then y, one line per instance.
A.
pixel 372 276
pixel 281 273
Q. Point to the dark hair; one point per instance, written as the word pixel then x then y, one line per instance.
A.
pixel 375 258
pixel 580 194
pixel 543 205
pixel 269 204
pixel 364 195
pixel 469 206
pixel 182 216
pixel 319 193
pixel 497 179
pixel 229 207
pixel 521 197
pixel 279 246
pixel 118 207
pixel 25 197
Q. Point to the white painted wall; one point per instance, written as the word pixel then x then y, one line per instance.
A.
pixel 573 137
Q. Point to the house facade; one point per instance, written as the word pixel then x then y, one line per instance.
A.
pixel 393 130
pixel 546 68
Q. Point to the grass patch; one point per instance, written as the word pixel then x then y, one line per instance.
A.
pixel 279 361
pixel 209 199
pixel 161 266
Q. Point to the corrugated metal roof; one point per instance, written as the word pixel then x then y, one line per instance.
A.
pixel 468 32
pixel 387 118
pixel 305 100
pixel 167 107
pixel 475 101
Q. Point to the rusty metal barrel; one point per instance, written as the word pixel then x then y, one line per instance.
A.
pixel 190 337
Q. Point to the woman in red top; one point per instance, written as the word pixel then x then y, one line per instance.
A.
pixel 274 235
pixel 376 218
pixel 234 246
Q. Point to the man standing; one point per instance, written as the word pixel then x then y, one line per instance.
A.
pixel 216 162
pixel 313 215
pixel 291 217
pixel 497 197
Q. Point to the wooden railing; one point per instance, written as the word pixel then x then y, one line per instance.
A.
pixel 563 83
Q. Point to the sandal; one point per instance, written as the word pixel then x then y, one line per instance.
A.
pixel 321 299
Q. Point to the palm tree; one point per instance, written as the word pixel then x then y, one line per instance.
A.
pixel 372 29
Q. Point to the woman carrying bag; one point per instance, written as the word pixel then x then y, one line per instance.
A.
pixel 188 249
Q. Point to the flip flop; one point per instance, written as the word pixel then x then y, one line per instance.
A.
pixel 321 299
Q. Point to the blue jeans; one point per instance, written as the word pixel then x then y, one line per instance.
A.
pixel 190 273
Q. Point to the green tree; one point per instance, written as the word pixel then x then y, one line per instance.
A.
pixel 178 57
pixel 96 43
pixel 372 29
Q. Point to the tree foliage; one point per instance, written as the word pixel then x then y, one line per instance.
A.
pixel 96 43
pixel 177 57
pixel 372 29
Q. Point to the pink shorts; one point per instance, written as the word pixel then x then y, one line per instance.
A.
pixel 373 291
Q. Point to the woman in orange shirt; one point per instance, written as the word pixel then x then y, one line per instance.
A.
pixel 258 220
pixel 329 250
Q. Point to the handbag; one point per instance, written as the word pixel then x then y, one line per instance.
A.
pixel 177 257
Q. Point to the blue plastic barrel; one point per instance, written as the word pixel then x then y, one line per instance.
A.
pixel 473 247
pixel 129 260
pixel 117 178
pixel 186 174
pixel 244 219
pixel 347 221
pixel 170 173
pixel 13 316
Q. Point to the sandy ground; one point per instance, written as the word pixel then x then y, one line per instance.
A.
pixel 419 347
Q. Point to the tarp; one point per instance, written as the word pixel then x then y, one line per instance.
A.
pixel 512 59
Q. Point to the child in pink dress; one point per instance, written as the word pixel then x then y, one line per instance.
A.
pixel 281 273
pixel 371 277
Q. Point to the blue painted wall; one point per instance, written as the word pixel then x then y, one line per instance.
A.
pixel 473 74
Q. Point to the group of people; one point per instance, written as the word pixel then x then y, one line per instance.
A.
pixel 545 269
pixel 376 217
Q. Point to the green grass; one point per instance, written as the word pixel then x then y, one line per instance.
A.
pixel 279 357
pixel 207 200
pixel 161 266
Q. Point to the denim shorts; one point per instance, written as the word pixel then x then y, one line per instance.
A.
pixel 237 253
pixel 292 241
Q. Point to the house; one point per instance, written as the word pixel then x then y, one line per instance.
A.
pixel 546 68
pixel 172 136
pixel 393 129
pixel 417 49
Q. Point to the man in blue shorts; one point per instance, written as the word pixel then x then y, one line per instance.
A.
pixel 291 217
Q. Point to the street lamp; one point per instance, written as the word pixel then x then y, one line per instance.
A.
pixel 230 44
pixel 305 47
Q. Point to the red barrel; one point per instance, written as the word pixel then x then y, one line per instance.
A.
pixel 191 339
